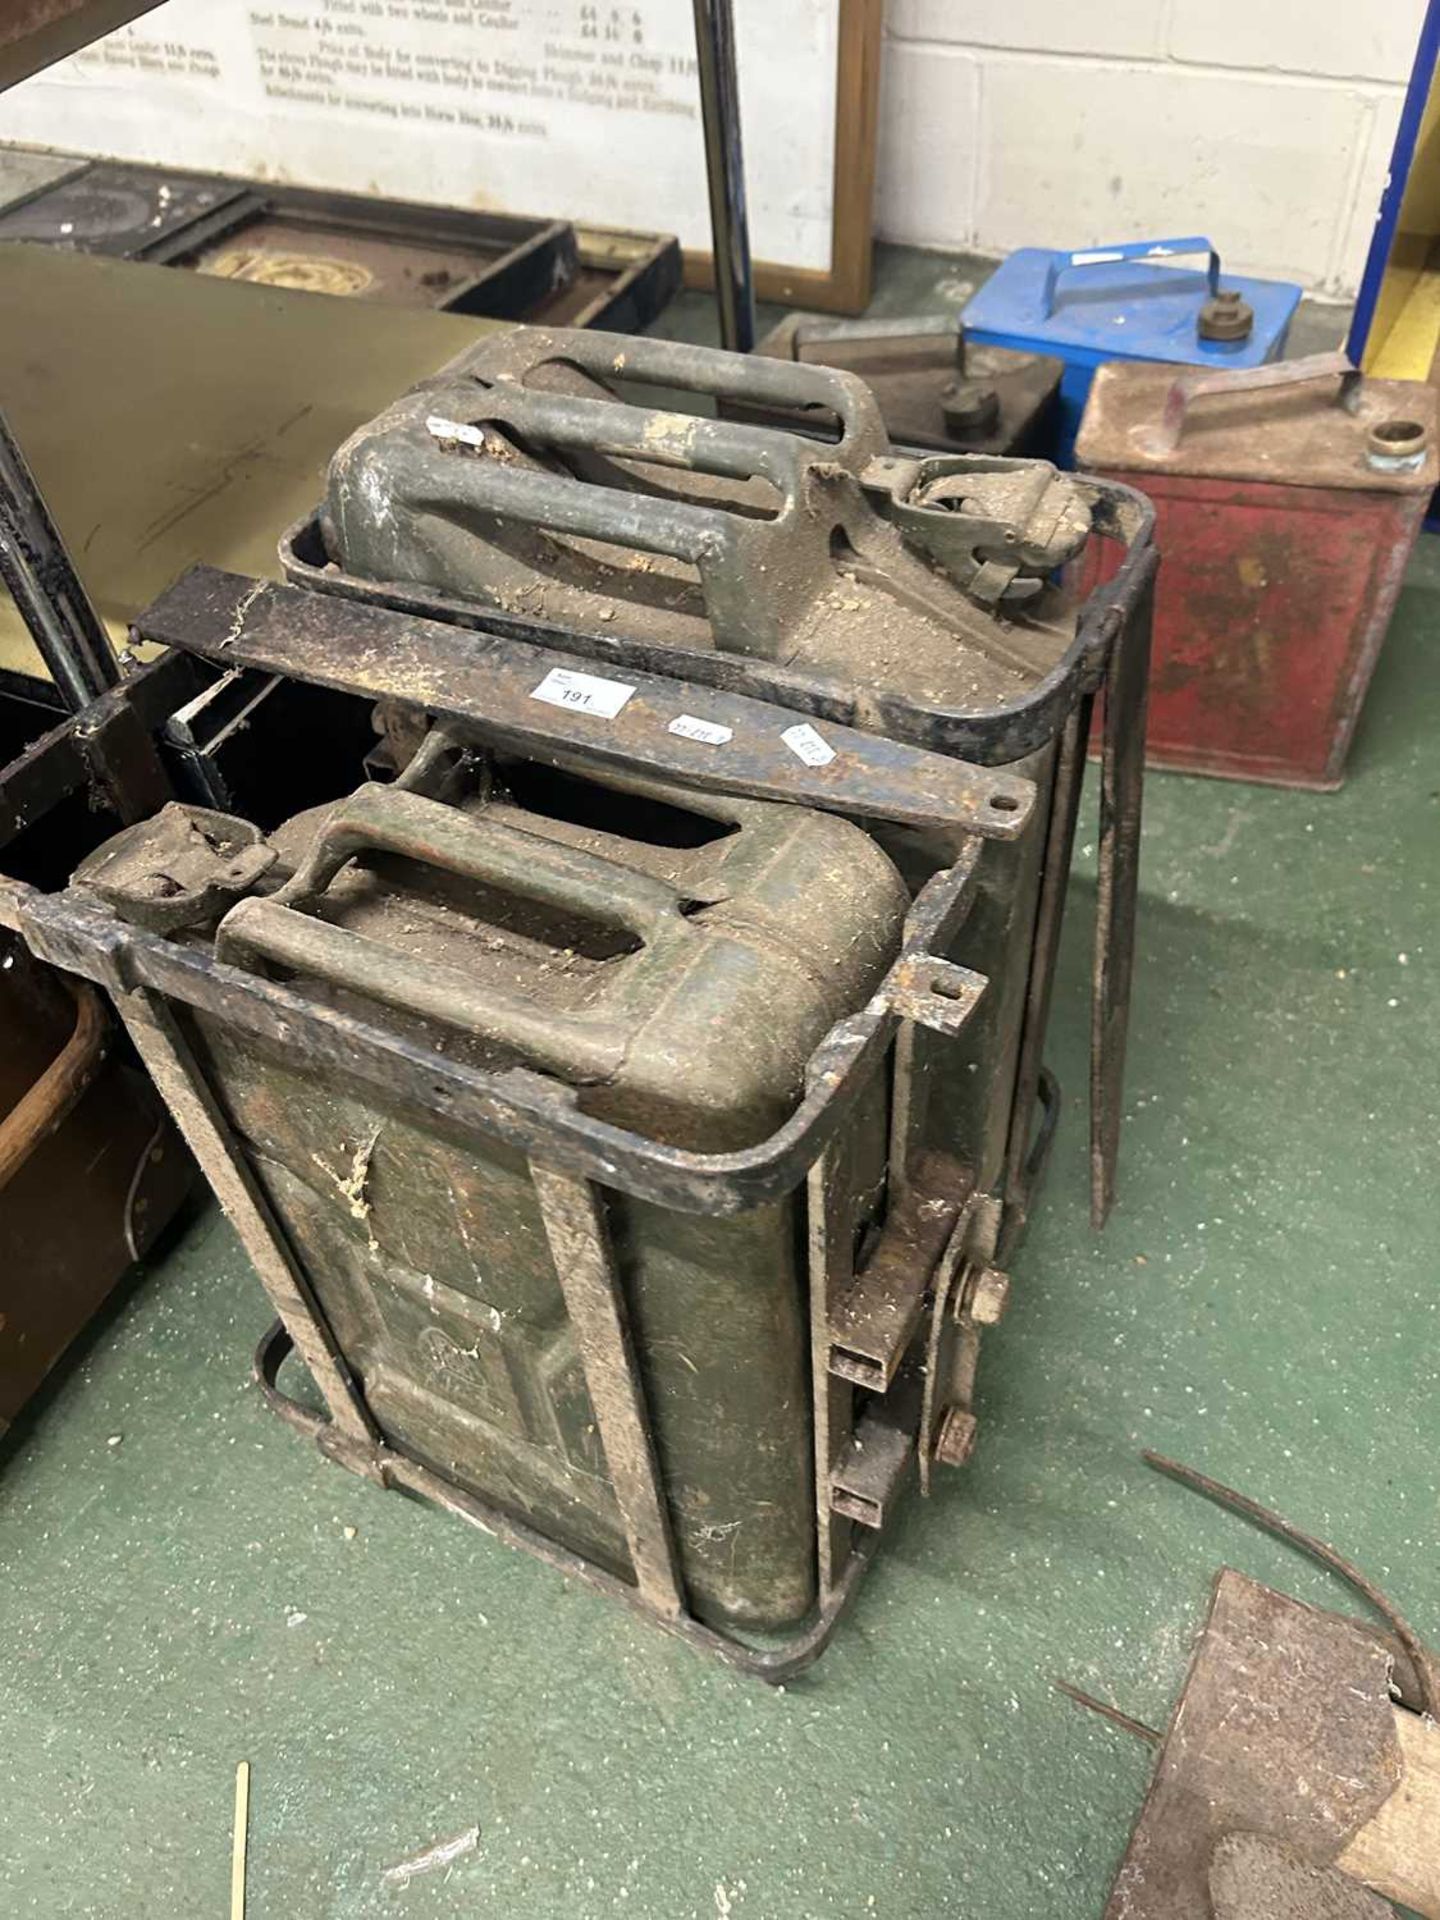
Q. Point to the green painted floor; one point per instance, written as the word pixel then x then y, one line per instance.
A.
pixel 185 1583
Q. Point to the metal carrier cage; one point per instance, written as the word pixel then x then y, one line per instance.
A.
pixel 894 1324
pixel 895 1315
pixel 875 1416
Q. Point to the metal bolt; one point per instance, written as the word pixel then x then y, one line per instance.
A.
pixel 1225 316
pixel 955 1441
pixel 989 1297
pixel 971 409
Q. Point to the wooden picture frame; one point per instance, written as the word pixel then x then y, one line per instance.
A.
pixel 131 119
pixel 845 285
pixel 35 35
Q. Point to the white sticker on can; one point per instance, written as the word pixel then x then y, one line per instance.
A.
pixel 582 692
pixel 806 744
pixel 689 728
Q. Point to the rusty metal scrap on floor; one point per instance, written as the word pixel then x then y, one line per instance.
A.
pixel 1288 1774
pixel 1300 1771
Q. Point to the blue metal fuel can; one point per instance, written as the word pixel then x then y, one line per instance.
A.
pixel 1127 302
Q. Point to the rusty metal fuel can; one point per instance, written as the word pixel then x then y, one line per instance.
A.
pixel 662 966
pixel 1287 499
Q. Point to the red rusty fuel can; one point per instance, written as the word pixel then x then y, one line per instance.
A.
pixel 1288 498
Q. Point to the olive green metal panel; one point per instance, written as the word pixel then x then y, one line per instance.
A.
pixel 973 1074
pixel 964 1084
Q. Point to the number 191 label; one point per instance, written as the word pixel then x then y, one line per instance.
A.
pixel 582 692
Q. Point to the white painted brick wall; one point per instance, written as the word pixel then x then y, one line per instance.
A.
pixel 1266 124
pixel 1354 238
pixel 927 162
pixel 1347 39
pixel 1126 27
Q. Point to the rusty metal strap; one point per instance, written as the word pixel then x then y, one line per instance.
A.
pixel 1122 782
pixel 992 736
pixel 533 698
pixel 1065 790
pixel 526 1110
pixel 585 1267
pixel 773 1664
pixel 164 1047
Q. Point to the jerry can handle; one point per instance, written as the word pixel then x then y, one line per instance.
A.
pixel 588 1043
pixel 585 1043
pixel 687 368
pixel 388 819
pixel 707 538
pixel 1127 250
pixel 722 546
pixel 560 503
pixel 1207 383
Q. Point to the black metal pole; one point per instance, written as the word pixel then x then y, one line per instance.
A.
pixel 725 172
pixel 45 586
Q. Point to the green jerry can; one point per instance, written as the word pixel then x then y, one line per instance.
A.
pixel 666 962
pixel 631 1098
pixel 565 1113
pixel 790 550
